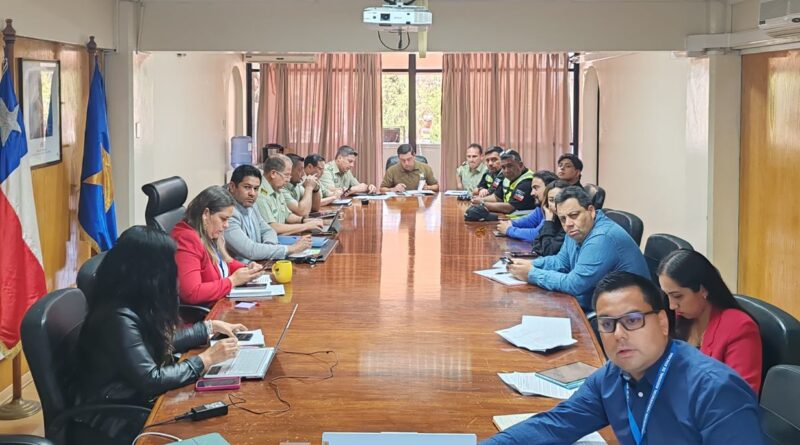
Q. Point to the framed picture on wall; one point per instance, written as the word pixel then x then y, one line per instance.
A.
pixel 40 100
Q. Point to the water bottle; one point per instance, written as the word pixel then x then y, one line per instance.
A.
pixel 421 184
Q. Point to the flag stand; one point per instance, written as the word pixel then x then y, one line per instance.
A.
pixel 18 407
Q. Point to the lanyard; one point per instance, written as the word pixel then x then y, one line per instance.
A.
pixel 223 268
pixel 638 435
pixel 508 189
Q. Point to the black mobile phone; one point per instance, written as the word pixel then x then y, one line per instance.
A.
pixel 523 254
pixel 242 336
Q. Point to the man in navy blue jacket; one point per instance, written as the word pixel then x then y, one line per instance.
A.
pixel 595 246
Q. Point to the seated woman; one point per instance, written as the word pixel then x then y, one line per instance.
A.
pixel 551 235
pixel 206 273
pixel 126 344
pixel 707 315
pixel 527 227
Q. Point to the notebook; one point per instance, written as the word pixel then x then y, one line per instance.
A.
pixel 398 439
pixel 250 363
pixel 569 376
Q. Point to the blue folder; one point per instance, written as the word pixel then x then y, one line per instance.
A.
pixel 316 241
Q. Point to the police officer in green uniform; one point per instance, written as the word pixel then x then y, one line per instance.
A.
pixel 514 193
pixel 470 172
pixel 493 177
pixel 271 203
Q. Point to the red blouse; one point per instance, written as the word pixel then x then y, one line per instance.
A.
pixel 733 338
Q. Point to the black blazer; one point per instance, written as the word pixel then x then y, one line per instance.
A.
pixel 550 238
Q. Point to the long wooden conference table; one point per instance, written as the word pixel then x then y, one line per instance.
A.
pixel 413 328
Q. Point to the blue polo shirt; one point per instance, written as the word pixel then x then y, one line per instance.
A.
pixel 577 268
pixel 527 227
pixel 702 401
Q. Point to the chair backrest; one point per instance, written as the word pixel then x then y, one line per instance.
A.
pixel 87 276
pixel 658 246
pixel 23 439
pixel 165 200
pixel 780 418
pixel 50 331
pixel 394 160
pixel 628 221
pixel 780 332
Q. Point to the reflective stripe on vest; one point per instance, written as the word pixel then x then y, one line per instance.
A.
pixel 508 188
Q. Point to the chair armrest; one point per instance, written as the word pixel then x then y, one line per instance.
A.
pixel 190 313
pixel 72 413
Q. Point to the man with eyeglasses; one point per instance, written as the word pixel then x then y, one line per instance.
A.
pixel 595 245
pixel 514 192
pixel 654 390
pixel 271 203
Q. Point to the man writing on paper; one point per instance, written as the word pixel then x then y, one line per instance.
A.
pixel 653 390
pixel 408 173
pixel 595 245
pixel 248 237
pixel 271 203
pixel 514 193
pixel 337 177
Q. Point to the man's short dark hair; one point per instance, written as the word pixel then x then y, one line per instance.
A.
pixel 546 176
pixel 576 161
pixel 313 159
pixel 620 280
pixel 296 159
pixel 405 149
pixel 243 171
pixel 274 163
pixel 510 154
pixel 576 192
pixel 346 150
pixel 477 146
pixel 496 149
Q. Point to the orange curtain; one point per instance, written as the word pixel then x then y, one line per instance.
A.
pixel 318 107
pixel 515 100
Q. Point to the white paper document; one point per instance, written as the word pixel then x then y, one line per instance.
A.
pixel 419 192
pixel 375 197
pixel 530 384
pixel 456 192
pixel 502 276
pixel 504 422
pixel 342 202
pixel 257 292
pixel 540 333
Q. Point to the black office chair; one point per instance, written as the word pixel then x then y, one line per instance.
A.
pixel 23 439
pixel 394 160
pixel 628 221
pixel 780 418
pixel 780 333
pixel 50 331
pixel 87 281
pixel 658 246
pixel 598 195
pixel 165 200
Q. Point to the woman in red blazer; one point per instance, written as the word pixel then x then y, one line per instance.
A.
pixel 707 315
pixel 206 273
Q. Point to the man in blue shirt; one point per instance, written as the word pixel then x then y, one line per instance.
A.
pixel 653 391
pixel 527 227
pixel 595 245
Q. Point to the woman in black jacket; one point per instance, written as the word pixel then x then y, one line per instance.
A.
pixel 551 236
pixel 126 345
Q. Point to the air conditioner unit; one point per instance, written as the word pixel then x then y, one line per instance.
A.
pixel 780 18
pixel 280 58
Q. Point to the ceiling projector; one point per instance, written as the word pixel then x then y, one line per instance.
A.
pixel 398 18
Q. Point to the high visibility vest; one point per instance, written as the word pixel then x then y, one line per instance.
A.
pixel 509 187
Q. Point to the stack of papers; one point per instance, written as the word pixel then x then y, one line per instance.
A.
pixel 342 202
pixel 257 291
pixel 530 384
pixel 375 197
pixel 419 192
pixel 540 333
pixel 504 422
pixel 501 275
pixel 456 192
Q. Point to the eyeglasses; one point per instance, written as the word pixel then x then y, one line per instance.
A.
pixel 630 321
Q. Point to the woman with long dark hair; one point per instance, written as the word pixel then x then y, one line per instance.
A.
pixel 125 350
pixel 708 316
pixel 206 272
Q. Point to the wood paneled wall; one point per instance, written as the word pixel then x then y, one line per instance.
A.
pixel 769 215
pixel 56 187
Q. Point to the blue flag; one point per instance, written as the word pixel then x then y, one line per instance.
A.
pixel 96 210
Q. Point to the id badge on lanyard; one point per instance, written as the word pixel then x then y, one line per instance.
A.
pixel 636 432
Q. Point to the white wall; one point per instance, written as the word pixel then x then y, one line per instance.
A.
pixel 459 25
pixel 181 108
pixel 68 21
pixel 651 162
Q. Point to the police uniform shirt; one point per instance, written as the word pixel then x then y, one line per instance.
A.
pixel 517 192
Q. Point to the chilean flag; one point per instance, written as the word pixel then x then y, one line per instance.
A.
pixel 21 273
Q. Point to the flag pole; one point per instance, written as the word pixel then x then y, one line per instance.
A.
pixel 18 407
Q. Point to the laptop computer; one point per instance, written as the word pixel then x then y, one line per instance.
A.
pixel 315 255
pixel 330 227
pixel 250 363
pixel 398 439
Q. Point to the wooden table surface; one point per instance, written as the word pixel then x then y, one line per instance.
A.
pixel 413 329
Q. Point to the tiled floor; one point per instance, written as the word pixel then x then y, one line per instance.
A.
pixel 29 425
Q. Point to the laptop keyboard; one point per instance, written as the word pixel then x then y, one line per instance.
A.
pixel 247 361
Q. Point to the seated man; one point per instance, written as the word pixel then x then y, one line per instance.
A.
pixel 653 390
pixel 314 165
pixel 471 171
pixel 271 203
pixel 302 191
pixel 493 177
pixel 595 246
pixel 527 227
pixel 569 169
pixel 248 237
pixel 408 173
pixel 337 177
pixel 514 192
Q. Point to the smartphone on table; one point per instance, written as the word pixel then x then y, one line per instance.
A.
pixel 241 336
pixel 218 384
